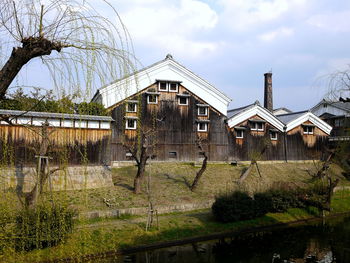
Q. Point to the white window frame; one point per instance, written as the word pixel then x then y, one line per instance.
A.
pixel 239 137
pixel 150 102
pixel 206 110
pixel 255 126
pixel 174 83
pixel 179 100
pixel 129 127
pixel 127 106
pixel 273 138
pixel 307 128
pixel 166 86
pixel 205 125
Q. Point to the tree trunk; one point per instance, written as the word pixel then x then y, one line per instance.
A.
pixel 31 47
pixel 332 185
pixel 200 173
pixel 42 173
pixel 141 166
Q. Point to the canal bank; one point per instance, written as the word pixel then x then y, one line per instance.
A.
pixel 110 237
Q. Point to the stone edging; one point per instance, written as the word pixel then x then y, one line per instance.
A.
pixel 162 209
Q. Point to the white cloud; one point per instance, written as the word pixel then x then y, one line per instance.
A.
pixel 280 32
pixel 173 27
pixel 334 22
pixel 243 14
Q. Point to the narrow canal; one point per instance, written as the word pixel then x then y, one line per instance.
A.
pixel 324 242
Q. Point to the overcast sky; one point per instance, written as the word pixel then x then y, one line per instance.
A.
pixel 232 43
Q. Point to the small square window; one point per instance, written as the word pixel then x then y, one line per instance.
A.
pixel 163 86
pixel 183 101
pixel 130 124
pixel 131 107
pixel 202 127
pixel 308 129
pixel 203 111
pixel 173 87
pixel 239 134
pixel 152 99
pixel 172 155
pixel 273 135
pixel 257 126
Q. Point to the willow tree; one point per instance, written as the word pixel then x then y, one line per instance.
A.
pixel 80 47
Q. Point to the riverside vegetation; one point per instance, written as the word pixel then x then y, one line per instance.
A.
pixel 92 236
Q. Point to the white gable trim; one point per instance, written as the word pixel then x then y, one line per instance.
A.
pixel 308 116
pixel 170 70
pixel 255 110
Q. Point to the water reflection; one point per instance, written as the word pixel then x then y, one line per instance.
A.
pixel 322 243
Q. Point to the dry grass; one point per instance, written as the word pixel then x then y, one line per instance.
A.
pixel 170 184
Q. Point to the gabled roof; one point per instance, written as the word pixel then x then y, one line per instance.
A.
pixel 281 109
pixel 345 106
pixel 295 119
pixel 241 114
pixel 286 118
pixel 166 69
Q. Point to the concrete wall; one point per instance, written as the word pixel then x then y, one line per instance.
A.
pixel 72 178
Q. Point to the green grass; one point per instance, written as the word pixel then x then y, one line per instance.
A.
pixel 169 184
pixel 107 235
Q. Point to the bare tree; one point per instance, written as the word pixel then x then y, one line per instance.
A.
pixel 339 85
pixel 73 40
pixel 255 156
pixel 200 143
pixel 141 149
pixel 43 172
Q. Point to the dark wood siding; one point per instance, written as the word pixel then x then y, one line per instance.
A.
pixel 176 127
pixel 67 145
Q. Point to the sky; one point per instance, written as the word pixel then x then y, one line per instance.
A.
pixel 232 43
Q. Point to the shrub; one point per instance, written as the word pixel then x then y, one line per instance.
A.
pixel 43 226
pixel 240 206
pixel 234 207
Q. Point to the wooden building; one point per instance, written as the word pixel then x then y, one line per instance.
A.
pixel 257 133
pixel 73 139
pixel 336 114
pixel 306 135
pixel 180 106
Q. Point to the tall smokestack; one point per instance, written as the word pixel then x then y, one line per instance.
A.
pixel 268 104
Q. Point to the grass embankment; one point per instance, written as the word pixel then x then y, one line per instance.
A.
pixel 170 184
pixel 101 235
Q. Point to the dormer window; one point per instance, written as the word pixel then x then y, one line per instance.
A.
pixel 131 107
pixel 173 87
pixel 183 100
pixel 202 110
pixel 162 86
pixel 152 99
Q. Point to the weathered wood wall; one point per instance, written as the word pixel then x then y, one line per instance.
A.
pixel 253 142
pixel 19 143
pixel 293 145
pixel 176 128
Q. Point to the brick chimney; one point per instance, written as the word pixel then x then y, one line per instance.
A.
pixel 268 104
